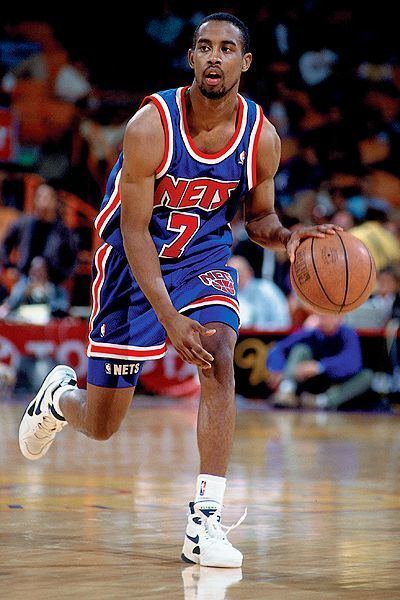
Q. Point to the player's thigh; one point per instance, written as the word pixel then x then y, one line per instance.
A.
pixel 107 407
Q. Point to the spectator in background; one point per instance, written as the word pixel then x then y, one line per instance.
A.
pixel 50 66
pixel 41 234
pixel 318 366
pixel 378 235
pixel 382 305
pixel 36 290
pixel 262 303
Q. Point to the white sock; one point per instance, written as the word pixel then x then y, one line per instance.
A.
pixel 57 395
pixel 287 386
pixel 210 487
pixel 322 400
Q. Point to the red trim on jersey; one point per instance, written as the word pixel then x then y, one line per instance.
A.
pixel 100 266
pixel 255 148
pixel 108 209
pixel 164 121
pixel 126 353
pixel 213 300
pixel 231 141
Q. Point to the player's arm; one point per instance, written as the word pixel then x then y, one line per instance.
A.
pixel 262 223
pixel 143 151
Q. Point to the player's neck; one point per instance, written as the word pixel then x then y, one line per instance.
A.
pixel 211 112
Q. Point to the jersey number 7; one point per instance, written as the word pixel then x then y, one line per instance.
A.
pixel 186 225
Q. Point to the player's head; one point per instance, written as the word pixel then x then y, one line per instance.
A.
pixel 219 54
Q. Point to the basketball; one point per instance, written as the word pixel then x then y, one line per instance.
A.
pixel 334 274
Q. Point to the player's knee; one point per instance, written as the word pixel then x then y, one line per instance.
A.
pixel 221 370
pixel 103 430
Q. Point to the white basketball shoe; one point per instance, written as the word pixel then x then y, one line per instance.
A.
pixel 40 423
pixel 205 542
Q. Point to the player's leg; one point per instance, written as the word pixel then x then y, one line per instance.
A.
pixel 217 409
pixel 205 541
pixel 97 412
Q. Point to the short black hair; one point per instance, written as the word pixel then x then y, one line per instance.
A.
pixel 222 16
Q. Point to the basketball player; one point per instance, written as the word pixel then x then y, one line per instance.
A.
pixel 189 156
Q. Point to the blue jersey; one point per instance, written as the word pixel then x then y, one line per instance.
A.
pixel 196 195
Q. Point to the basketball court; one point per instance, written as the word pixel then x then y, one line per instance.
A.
pixel 100 520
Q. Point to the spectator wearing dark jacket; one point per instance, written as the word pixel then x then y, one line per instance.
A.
pixel 41 234
pixel 319 366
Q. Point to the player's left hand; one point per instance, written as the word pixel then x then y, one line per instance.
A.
pixel 319 231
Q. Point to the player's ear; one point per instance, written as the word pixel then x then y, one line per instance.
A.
pixel 190 58
pixel 247 59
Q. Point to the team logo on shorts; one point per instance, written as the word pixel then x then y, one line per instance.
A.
pixel 220 280
pixel 121 369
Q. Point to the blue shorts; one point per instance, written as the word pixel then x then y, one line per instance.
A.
pixel 124 330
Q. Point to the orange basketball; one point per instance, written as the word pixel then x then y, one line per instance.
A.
pixel 334 274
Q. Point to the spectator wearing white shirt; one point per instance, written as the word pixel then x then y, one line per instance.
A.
pixel 262 304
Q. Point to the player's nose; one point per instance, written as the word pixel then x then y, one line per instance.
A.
pixel 215 58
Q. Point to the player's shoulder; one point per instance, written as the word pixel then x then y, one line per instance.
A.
pixel 148 120
pixel 268 151
pixel 269 138
pixel 144 122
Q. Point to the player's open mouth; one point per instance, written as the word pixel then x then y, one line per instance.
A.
pixel 213 78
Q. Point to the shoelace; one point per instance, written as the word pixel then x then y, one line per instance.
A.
pixel 49 425
pixel 216 531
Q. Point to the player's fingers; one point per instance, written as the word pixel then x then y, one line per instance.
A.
pixel 184 354
pixel 200 351
pixel 204 330
pixel 329 228
pixel 291 249
pixel 312 233
pixel 203 364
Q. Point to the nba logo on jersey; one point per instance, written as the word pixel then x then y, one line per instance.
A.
pixel 203 488
pixel 107 367
pixel 220 280
pixel 103 330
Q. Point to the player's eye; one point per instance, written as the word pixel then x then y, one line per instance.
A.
pixel 226 49
pixel 203 47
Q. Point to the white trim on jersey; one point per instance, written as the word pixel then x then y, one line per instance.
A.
pixel 109 205
pixel 169 138
pixel 100 261
pixel 250 156
pixel 231 149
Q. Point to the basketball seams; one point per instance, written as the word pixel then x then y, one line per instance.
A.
pixel 305 299
pixel 366 285
pixel 317 275
pixel 335 307
pixel 346 287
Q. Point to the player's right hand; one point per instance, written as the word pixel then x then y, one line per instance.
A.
pixel 184 334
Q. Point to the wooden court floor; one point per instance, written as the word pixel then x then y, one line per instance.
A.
pixel 105 520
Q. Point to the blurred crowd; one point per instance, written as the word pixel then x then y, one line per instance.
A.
pixel 327 76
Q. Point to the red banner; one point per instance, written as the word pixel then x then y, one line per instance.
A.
pixel 65 342
pixel 8 131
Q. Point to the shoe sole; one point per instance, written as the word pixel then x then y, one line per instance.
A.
pixel 46 382
pixel 187 560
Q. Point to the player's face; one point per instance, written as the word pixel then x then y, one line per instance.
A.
pixel 217 59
